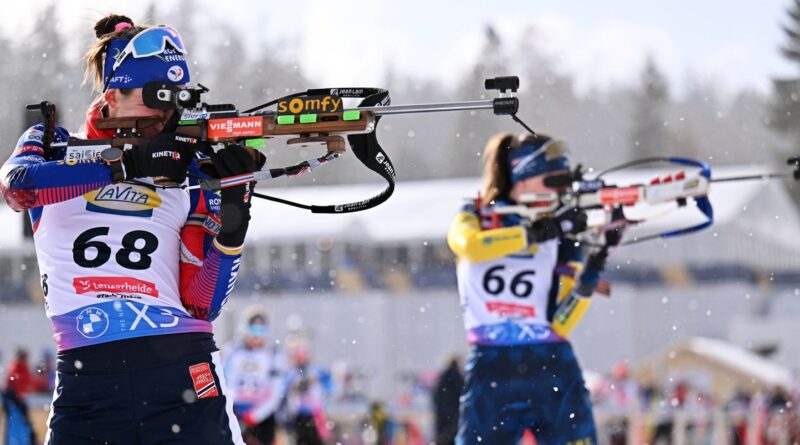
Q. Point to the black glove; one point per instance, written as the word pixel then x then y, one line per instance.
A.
pixel 618 221
pixel 235 160
pixel 572 221
pixel 596 263
pixel 542 230
pixel 162 156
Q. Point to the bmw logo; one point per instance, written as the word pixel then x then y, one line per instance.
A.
pixel 92 322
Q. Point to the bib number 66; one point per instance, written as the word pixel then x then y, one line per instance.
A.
pixel 494 283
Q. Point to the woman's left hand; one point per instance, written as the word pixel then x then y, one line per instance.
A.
pixel 235 160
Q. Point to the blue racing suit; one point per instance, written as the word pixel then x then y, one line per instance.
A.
pixel 132 277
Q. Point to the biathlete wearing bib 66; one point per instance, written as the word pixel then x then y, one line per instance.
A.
pixel 516 282
pixel 522 372
pixel 118 261
pixel 510 289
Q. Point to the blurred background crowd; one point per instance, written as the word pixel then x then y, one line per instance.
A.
pixel 704 401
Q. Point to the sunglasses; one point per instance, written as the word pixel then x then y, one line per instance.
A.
pixel 147 43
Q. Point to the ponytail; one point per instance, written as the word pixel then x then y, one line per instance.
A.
pixel 108 28
pixel 496 177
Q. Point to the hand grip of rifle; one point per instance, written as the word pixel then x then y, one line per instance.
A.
pixel 48 111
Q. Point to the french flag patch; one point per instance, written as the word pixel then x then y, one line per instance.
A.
pixel 203 380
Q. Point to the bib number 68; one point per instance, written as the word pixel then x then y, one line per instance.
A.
pixel 129 257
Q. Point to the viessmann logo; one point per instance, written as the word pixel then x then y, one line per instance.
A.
pixel 123 199
pixel 240 126
pixel 118 285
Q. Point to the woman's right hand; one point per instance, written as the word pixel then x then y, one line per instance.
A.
pixel 542 230
pixel 162 156
pixel 571 222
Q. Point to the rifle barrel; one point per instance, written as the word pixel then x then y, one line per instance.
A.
pixel 487 104
pixel 755 177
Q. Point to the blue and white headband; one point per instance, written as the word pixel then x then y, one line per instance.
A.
pixel 154 55
pixel 536 158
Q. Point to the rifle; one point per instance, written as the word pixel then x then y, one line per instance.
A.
pixel 313 116
pixel 572 191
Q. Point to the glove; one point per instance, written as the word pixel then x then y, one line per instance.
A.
pixel 619 223
pixel 162 156
pixel 235 160
pixel 573 221
pixel 596 263
pixel 542 230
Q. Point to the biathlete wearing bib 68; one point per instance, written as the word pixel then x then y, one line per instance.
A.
pixel 118 261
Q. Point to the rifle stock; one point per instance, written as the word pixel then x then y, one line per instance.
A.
pixel 325 128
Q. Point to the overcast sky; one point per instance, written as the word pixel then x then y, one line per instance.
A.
pixel 732 43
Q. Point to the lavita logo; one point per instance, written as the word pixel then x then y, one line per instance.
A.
pixel 123 199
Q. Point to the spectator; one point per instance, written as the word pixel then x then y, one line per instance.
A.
pixel 309 388
pixel 256 373
pixel 45 374
pixel 623 399
pixel 378 426
pixel 19 382
pixel 737 410
pixel 778 399
pixel 446 395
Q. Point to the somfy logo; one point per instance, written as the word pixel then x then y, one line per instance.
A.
pixel 310 104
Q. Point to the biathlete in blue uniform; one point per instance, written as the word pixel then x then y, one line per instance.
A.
pixel 133 274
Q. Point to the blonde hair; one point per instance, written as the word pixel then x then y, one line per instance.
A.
pixel 496 175
pixel 496 178
pixel 95 57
